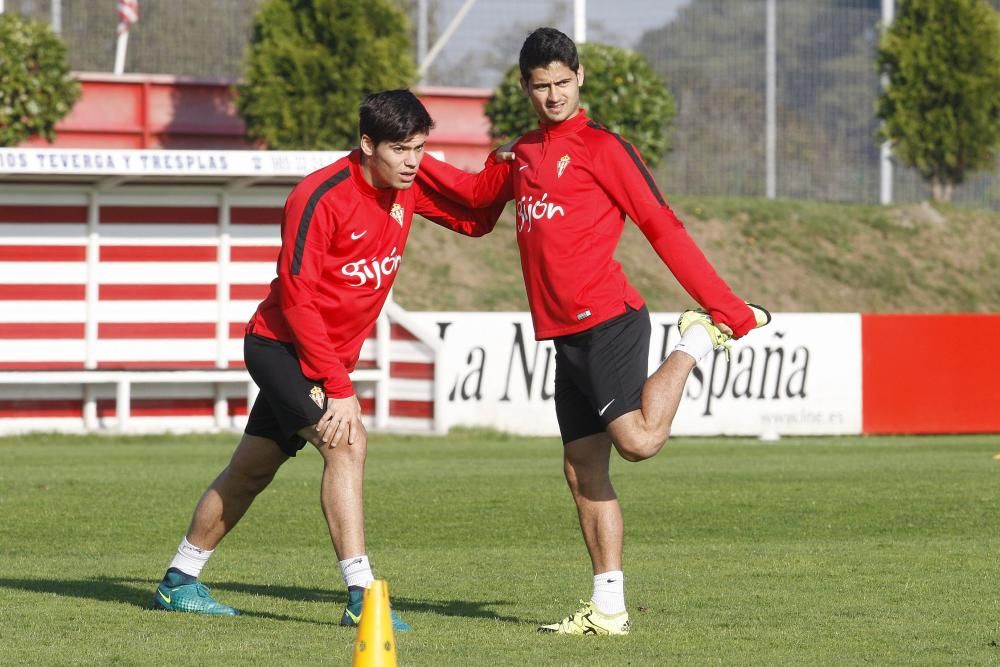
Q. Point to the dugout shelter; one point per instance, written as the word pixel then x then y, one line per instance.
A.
pixel 127 277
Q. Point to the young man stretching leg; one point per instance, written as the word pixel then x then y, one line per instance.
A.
pixel 573 182
pixel 343 233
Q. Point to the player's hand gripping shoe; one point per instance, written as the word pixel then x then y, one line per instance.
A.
pixel 352 614
pixel 590 621
pixel 720 339
pixel 171 595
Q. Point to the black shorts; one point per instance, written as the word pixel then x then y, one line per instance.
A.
pixel 600 373
pixel 288 401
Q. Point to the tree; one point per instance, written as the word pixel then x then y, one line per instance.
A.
pixel 621 91
pixel 941 109
pixel 36 89
pixel 311 62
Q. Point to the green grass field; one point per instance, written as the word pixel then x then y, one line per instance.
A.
pixel 804 551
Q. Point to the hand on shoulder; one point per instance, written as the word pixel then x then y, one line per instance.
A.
pixel 506 152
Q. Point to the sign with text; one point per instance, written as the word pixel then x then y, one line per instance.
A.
pixel 800 375
pixel 128 162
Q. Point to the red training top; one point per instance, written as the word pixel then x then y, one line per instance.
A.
pixel 573 184
pixel 342 243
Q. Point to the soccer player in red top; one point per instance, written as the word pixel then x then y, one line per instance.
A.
pixel 573 183
pixel 342 237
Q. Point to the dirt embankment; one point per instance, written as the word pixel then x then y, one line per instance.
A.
pixel 791 256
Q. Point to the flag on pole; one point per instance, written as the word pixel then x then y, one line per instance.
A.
pixel 128 13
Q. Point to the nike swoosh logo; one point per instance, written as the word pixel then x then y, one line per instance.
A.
pixel 522 168
pixel 355 237
pixel 166 598
pixel 600 413
pixel 355 619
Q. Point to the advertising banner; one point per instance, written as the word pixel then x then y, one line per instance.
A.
pixel 801 375
pixel 915 383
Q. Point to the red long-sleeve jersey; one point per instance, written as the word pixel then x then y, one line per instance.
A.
pixel 342 243
pixel 573 184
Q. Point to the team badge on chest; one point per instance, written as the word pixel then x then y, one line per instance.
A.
pixel 397 214
pixel 561 165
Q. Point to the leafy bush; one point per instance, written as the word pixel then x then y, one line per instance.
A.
pixel 36 90
pixel 620 91
pixel 311 62
pixel 942 105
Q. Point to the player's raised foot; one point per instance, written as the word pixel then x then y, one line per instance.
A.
pixel 352 613
pixel 589 620
pixel 179 592
pixel 697 316
pixel 761 315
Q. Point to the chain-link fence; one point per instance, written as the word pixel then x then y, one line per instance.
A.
pixel 200 38
pixel 712 53
pixel 713 56
pixel 714 60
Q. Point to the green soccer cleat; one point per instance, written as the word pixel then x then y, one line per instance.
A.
pixel 590 621
pixel 193 598
pixel 720 339
pixel 352 613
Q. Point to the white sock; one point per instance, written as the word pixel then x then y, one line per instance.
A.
pixel 357 571
pixel 695 342
pixel 190 559
pixel 609 592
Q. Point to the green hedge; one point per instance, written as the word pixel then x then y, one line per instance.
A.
pixel 311 62
pixel 36 90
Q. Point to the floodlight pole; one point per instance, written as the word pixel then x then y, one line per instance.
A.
pixel 885 150
pixel 421 32
pixel 443 39
pixel 771 66
pixel 580 21
pixel 56 12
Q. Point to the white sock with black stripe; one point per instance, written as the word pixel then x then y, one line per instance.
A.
pixel 357 571
pixel 609 592
pixel 190 559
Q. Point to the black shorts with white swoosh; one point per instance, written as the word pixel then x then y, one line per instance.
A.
pixel 600 373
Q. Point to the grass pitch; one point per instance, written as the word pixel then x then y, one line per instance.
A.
pixel 805 551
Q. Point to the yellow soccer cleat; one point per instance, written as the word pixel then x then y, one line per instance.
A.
pixel 697 316
pixel 589 621
pixel 720 339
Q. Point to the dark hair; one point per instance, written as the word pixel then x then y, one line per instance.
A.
pixel 393 115
pixel 544 46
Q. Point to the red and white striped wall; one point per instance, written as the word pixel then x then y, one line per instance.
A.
pixel 107 295
pixel 136 273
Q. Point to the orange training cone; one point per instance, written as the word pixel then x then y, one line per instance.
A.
pixel 375 645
